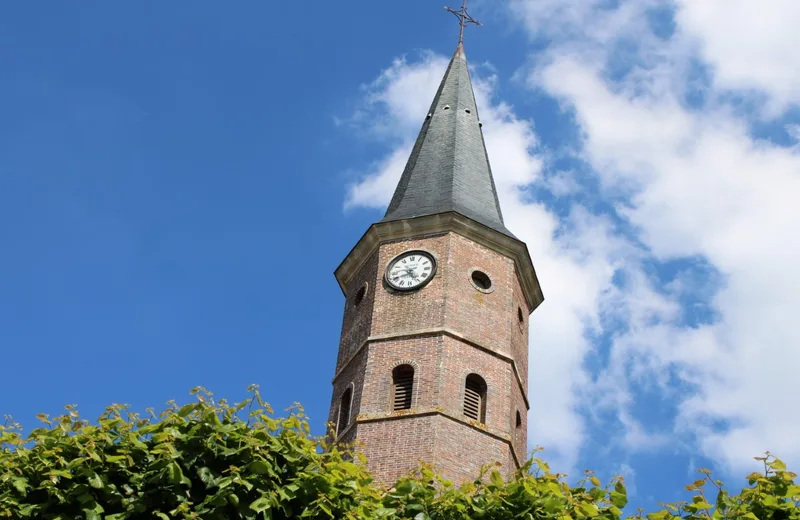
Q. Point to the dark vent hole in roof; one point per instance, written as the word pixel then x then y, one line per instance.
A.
pixel 468 111
pixel 446 107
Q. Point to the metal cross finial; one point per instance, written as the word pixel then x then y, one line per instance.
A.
pixel 463 18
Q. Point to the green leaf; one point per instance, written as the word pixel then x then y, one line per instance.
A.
pixel 595 481
pixel 161 515
pixel 85 497
pixel 792 491
pixel 260 504
pixel 61 473
pixel 422 516
pixel 94 480
pixel 589 510
pixel 175 473
pixel 20 484
pixel 551 505
pixel 770 501
pixel 91 514
pixel 259 467
pixel 496 479
pixel 186 409
pixel 206 477
pixel 619 499
pixel 217 500
pixel 777 465
pixel 555 489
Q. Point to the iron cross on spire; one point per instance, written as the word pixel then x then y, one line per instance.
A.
pixel 464 18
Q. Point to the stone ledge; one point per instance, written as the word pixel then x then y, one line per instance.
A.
pixel 427 412
pixel 420 227
pixel 436 332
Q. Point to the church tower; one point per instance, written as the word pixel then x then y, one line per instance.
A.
pixel 433 356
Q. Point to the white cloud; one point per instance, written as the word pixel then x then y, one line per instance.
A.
pixel 694 184
pixel 750 45
pixel 794 133
pixel 574 265
pixel 375 188
pixel 699 185
pixel 562 183
pixel 392 101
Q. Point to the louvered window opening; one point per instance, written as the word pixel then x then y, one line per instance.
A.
pixel 344 411
pixel 473 400
pixel 402 388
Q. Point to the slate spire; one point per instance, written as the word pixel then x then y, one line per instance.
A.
pixel 448 170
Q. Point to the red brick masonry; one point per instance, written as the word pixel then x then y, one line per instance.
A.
pixel 446 330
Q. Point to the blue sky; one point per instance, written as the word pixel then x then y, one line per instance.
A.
pixel 178 183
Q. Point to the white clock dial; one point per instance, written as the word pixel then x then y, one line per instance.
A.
pixel 410 270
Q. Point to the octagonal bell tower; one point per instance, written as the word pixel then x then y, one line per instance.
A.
pixel 433 356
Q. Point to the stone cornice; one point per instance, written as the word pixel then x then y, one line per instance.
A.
pixel 418 227
pixel 435 332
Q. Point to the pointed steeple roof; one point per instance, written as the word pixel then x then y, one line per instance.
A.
pixel 448 170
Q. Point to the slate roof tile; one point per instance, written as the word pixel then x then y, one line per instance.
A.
pixel 448 169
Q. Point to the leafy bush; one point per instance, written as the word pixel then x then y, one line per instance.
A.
pixel 212 460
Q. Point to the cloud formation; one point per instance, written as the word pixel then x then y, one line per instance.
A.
pixel 668 254
pixel 699 188
pixel 398 99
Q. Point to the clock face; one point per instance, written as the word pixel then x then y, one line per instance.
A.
pixel 410 270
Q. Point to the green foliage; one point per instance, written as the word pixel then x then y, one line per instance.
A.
pixel 212 460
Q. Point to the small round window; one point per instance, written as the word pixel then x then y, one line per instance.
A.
pixel 481 281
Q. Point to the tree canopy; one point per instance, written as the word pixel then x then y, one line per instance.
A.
pixel 214 460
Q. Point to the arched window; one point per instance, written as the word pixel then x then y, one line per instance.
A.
pixel 402 387
pixel 344 410
pixel 518 430
pixel 475 398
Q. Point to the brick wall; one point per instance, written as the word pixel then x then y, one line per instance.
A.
pixel 357 320
pixel 446 330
